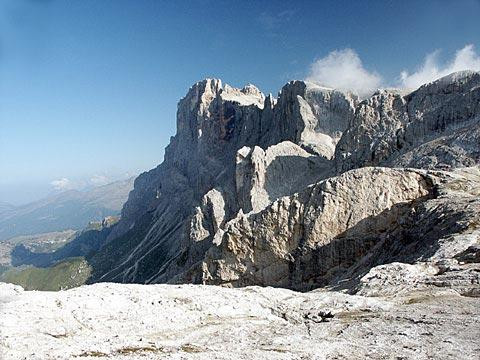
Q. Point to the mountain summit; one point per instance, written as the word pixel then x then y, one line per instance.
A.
pixel 303 190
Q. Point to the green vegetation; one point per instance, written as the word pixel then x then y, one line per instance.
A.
pixel 66 274
pixel 65 268
pixel 3 268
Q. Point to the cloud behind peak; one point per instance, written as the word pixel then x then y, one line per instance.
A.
pixel 464 59
pixel 343 69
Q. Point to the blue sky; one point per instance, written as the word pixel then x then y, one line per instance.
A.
pixel 89 88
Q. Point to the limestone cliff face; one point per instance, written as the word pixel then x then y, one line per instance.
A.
pixel 258 190
pixel 311 116
pixel 297 240
pixel 172 205
pixel 337 229
pixel 436 126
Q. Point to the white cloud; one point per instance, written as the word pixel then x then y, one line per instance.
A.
pixel 85 183
pixel 62 184
pixel 343 69
pixel 98 180
pixel 465 59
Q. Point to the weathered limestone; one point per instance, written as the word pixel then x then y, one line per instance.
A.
pixel 281 245
pixel 436 126
pixel 256 190
pixel 114 321
pixel 264 176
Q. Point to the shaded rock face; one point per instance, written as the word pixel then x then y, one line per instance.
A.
pixel 261 176
pixel 311 116
pixel 310 189
pixel 299 239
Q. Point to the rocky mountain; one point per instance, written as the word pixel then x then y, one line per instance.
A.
pixel 304 190
pixel 370 208
pixel 434 127
pixel 67 210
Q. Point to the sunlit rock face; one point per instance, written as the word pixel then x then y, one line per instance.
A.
pixel 436 126
pixel 131 321
pixel 300 239
pixel 333 232
pixel 301 191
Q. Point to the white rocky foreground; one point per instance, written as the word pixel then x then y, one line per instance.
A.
pixel 210 322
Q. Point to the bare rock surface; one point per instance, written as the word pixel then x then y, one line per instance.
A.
pixel 282 169
pixel 115 321
pixel 296 240
pixel 436 126
pixel 245 167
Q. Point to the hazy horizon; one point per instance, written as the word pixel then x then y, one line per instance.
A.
pixel 88 90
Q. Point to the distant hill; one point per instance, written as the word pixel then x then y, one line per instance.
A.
pixel 85 244
pixel 71 209
pixel 6 208
pixel 66 274
pixel 45 262
pixel 37 243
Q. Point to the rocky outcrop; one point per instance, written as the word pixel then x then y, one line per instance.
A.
pixel 311 116
pixel 298 191
pixel 335 231
pixel 236 143
pixel 261 176
pixel 298 239
pixel 436 126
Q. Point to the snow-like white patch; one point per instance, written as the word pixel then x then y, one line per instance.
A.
pixel 157 320
pixel 249 95
pixel 208 322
